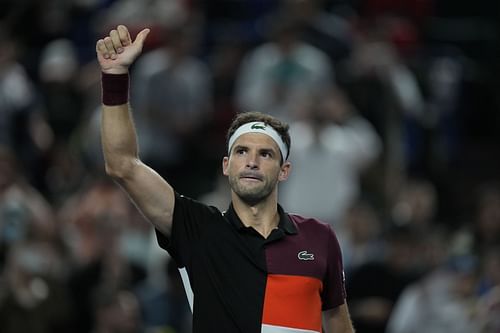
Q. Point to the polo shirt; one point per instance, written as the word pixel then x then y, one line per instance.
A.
pixel 243 282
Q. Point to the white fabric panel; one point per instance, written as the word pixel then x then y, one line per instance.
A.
pixel 281 329
pixel 187 286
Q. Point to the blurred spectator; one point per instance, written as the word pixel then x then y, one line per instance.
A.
pixel 22 127
pixel 489 291
pixel 47 21
pixel 416 10
pixel 157 14
pixel 377 64
pixel 432 251
pixel 385 90
pixel 61 98
pixel 116 311
pixel 483 231
pixel 230 29
pixel 412 95
pixel 24 212
pixel 93 220
pixel 490 277
pixel 431 136
pixel 174 103
pixel 278 74
pixel 416 206
pixel 326 26
pixel 224 61
pixel 488 311
pixel 65 173
pixel 34 296
pixel 360 236
pixel 63 105
pixel 165 308
pixel 374 287
pixel 94 223
pixel 229 20
pixel 336 145
pixel 443 301
pixel 487 220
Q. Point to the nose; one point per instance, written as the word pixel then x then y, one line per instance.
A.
pixel 252 160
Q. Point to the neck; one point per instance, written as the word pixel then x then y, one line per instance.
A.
pixel 262 216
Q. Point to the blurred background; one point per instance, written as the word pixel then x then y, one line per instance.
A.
pixel 394 109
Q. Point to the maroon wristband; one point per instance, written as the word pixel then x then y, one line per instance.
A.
pixel 115 89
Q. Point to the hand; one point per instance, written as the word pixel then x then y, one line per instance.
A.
pixel 117 52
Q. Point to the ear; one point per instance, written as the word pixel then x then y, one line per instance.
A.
pixel 225 166
pixel 286 168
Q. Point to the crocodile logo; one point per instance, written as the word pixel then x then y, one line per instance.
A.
pixel 258 126
pixel 304 255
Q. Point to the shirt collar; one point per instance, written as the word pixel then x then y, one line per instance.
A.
pixel 285 223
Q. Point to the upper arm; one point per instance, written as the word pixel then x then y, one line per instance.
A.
pixel 337 320
pixel 152 195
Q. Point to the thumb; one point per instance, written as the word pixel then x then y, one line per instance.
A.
pixel 141 37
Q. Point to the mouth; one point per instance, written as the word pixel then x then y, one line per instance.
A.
pixel 251 177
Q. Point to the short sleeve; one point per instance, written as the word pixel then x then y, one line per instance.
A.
pixel 190 219
pixel 334 292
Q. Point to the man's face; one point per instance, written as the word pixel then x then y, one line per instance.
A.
pixel 253 167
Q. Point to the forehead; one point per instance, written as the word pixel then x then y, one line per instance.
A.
pixel 257 140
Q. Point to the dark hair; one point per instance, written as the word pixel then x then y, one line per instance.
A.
pixel 248 117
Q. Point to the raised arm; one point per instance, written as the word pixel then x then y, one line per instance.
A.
pixel 153 196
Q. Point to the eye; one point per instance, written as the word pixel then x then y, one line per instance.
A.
pixel 266 154
pixel 240 151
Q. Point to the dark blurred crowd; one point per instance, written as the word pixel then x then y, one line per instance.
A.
pixel 394 112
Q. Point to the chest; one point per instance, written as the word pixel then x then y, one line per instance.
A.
pixel 296 255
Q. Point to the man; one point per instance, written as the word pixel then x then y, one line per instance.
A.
pixel 253 268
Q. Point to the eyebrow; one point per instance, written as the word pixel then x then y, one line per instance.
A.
pixel 236 147
pixel 268 150
pixel 261 150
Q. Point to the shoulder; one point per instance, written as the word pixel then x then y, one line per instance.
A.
pixel 192 206
pixel 316 229
pixel 309 223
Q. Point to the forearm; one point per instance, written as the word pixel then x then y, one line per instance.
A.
pixel 338 320
pixel 118 135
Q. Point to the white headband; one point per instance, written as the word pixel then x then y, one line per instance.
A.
pixel 259 127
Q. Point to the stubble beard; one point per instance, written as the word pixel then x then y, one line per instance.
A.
pixel 252 195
